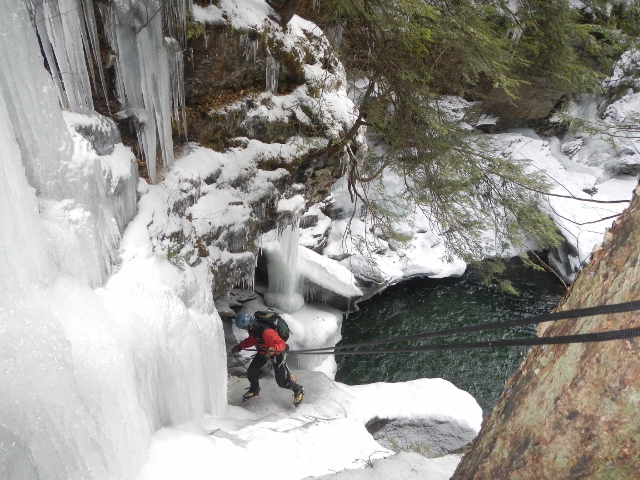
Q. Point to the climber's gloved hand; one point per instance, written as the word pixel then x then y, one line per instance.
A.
pixel 235 349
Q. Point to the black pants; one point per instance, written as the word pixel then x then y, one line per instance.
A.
pixel 279 369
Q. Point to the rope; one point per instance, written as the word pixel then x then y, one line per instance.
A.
pixel 235 355
pixel 580 338
pixel 569 314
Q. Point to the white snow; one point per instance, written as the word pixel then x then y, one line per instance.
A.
pixel 242 14
pixel 325 434
pixel 579 221
pixel 369 257
pixel 405 465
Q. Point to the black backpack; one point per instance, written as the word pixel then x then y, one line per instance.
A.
pixel 272 320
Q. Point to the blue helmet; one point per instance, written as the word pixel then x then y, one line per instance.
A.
pixel 243 320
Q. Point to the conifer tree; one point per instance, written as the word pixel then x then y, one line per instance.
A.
pixel 412 53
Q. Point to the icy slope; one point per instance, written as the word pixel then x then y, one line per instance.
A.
pixel 325 434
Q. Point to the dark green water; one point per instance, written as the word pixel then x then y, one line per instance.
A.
pixel 422 305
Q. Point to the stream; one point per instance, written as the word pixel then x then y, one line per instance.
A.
pixel 424 304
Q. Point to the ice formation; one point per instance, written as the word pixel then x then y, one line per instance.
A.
pixel 149 65
pixel 272 70
pixel 148 68
pixel 284 281
pixel 86 375
pixel 69 39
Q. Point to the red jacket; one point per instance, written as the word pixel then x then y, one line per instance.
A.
pixel 270 338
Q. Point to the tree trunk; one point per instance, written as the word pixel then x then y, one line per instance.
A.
pixel 571 411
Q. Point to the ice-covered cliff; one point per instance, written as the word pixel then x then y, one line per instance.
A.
pixel 89 370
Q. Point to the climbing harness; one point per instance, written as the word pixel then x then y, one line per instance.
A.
pixel 569 314
pixel 282 364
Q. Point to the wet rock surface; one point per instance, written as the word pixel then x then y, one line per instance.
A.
pixel 428 437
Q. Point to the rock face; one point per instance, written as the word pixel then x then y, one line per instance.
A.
pixel 426 436
pixel 570 411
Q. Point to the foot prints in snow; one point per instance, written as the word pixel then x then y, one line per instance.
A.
pixel 325 434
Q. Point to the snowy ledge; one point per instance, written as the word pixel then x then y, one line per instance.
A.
pixel 324 435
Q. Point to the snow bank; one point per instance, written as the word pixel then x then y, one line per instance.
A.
pixel 583 223
pixel 404 465
pixel 371 259
pixel 324 435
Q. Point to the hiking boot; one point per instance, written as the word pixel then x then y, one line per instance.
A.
pixel 249 395
pixel 297 397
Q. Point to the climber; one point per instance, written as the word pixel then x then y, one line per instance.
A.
pixel 269 344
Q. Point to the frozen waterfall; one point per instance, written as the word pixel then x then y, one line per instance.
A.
pixel 272 70
pixel 149 65
pixel 87 374
pixel 285 290
pixel 134 31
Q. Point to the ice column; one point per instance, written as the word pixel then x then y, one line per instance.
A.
pixel 272 71
pixel 134 31
pixel 27 260
pixel 176 72
pixel 284 281
pixel 69 39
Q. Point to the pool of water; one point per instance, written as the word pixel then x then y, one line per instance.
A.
pixel 421 305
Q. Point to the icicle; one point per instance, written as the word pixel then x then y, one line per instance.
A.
pixel 176 69
pixel 245 43
pixel 249 43
pixel 69 40
pixel 175 19
pixel 92 31
pixel 64 41
pixel 272 71
pixel 254 46
pixel 37 15
pixel 135 35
